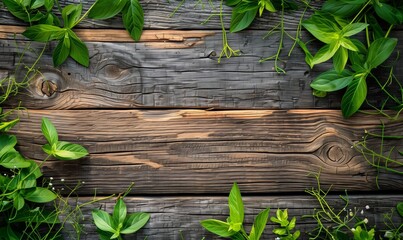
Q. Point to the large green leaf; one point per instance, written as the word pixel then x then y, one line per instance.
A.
pixel 18 202
pixel 104 9
pixel 342 8
pixel 71 14
pixel 69 151
pixel 103 220
pixel 40 195
pixel 235 203
pixel 134 222
pixel 259 225
pixel 78 50
pixel 325 53
pixel 354 97
pixel 242 20
pixel 389 13
pixel 49 131
pixel 322 29
pixel 13 159
pixel 217 227
pixel 7 143
pixel 379 51
pixel 62 51
pixel 332 80
pixel 17 9
pixel 119 211
pixel 133 19
pixel 340 59
pixel 44 33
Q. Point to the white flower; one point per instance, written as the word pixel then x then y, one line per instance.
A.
pixel 351 214
pixel 367 207
pixel 51 178
pixel 353 229
pixel 50 184
pixel 62 179
pixel 53 188
pixel 362 212
pixel 277 238
pixel 366 220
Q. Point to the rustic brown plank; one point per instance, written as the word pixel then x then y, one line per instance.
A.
pixel 176 69
pixel 195 151
pixel 172 215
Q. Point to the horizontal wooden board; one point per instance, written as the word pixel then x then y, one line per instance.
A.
pixel 173 69
pixel 172 215
pixel 158 15
pixel 200 152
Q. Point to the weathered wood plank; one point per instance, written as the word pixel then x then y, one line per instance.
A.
pixel 195 151
pixel 176 69
pixel 172 215
pixel 157 14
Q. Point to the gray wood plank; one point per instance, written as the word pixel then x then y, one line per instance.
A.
pixel 172 215
pixel 195 151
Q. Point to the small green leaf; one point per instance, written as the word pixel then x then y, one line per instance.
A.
pixel 325 53
pixel 5 126
pixel 71 14
pixel 78 50
pixel 103 220
pixel 399 208
pixel 119 211
pixel 353 28
pixel 348 44
pixel 7 143
pixel 133 19
pixel 340 59
pixel 104 9
pixel 18 10
pixel 354 96
pixel 40 195
pixel 217 227
pixel 242 20
pixel 49 5
pixel 322 29
pixel 379 51
pixel 37 4
pixel 44 33
pixel 236 208
pixel 13 159
pixel 292 224
pixel 280 231
pixel 69 151
pixel 49 131
pixel 62 51
pixel 259 225
pixel 18 202
pixel 331 81
pixel 134 222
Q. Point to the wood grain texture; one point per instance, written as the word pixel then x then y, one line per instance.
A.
pixel 172 215
pixel 195 151
pixel 175 69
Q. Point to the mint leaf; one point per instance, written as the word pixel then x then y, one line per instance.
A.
pixel 133 19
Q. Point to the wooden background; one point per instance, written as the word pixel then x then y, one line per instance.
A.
pixel 164 114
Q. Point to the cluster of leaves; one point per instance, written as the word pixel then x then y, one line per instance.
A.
pixel 233 228
pixel 286 225
pixel 46 25
pixel 113 226
pixel 338 24
pixel 20 189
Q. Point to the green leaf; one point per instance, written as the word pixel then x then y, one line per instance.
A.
pixel 331 81
pixel 37 4
pixel 236 208
pixel 69 151
pixel 342 8
pixel 62 51
pixel 13 159
pixel 34 170
pixel 103 220
pixel 340 59
pixel 78 50
pixel 322 29
pixel 292 223
pixel 18 202
pixel 7 143
pixel 104 9
pixel 134 222
pixel 17 10
pixel 353 28
pixel 133 19
pixel 119 211
pixel 11 235
pixel 49 5
pixel 280 231
pixel 232 2
pixel 399 208
pixel 379 51
pixel 389 13
pixel 40 195
pixel 354 96
pixel 240 21
pixel 217 227
pixel 325 53
pixel 348 44
pixel 49 131
pixel 44 33
pixel 5 126
pixel 71 14
pixel 48 149
pixel 259 225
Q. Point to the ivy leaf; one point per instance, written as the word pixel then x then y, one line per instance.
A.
pixel 379 51
pixel 259 225
pixel 40 195
pixel 62 51
pixel 104 9
pixel 71 14
pixel 133 19
pixel 217 227
pixel 103 220
pixel 78 50
pixel 236 208
pixel 69 151
pixel 134 222
pixel 44 33
pixel 354 96
pixel 242 20
pixel 332 80
pixel 49 131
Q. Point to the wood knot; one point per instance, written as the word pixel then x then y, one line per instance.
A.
pixel 48 88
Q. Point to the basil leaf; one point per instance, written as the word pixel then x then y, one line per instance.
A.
pixel 7 143
pixel 232 2
pixel 379 51
pixel 119 211
pixel 134 222
pixel 49 131
pixel 399 208
pixel 17 10
pixel 240 21
pixel 37 4
pixel 354 28
pixel 78 50
pixel 332 80
pixel 354 96
pixel 103 220
pixel 389 13
pixel 44 33
pixel 5 126
pixel 322 29
pixel 235 203
pixel 217 227
pixel 62 51
pixel 340 59
pixel 342 8
pixel 259 225
pixel 69 151
pixel 325 53
pixel 104 9
pixel 133 19
pixel 13 160
pixel 71 14
pixel 40 195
